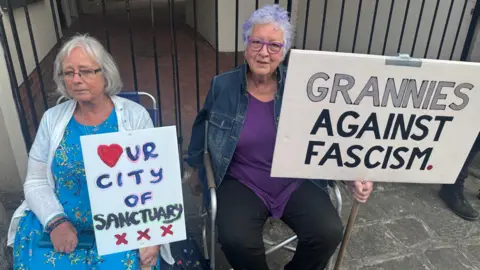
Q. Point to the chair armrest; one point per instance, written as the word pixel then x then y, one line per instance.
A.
pixel 209 171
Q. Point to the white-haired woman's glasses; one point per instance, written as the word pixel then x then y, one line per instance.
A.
pixel 272 47
pixel 83 73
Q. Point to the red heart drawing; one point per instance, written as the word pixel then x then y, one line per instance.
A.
pixel 110 154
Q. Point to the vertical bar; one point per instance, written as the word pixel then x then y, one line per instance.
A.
pixel 385 40
pixel 471 31
pixel 305 29
pixel 35 57
pixel 256 4
pixel 445 30
pixel 178 107
pixel 373 27
pixel 418 27
pixel 458 29
pixel 359 13
pixel 403 26
pixel 155 57
pixel 55 23
pixel 236 31
pixel 26 81
pixel 431 28
pixel 107 35
pixel 340 25
pixel 132 49
pixel 216 38
pixel 195 21
pixel 289 10
pixel 289 7
pixel 13 84
pixel 325 6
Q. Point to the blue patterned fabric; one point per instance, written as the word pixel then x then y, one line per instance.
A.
pixel 71 190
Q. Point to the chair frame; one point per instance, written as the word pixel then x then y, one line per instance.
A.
pixel 126 94
pixel 212 212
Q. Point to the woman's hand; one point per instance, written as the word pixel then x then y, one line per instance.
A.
pixel 361 190
pixel 148 255
pixel 64 237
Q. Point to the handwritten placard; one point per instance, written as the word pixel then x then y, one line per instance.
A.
pixel 351 116
pixel 134 184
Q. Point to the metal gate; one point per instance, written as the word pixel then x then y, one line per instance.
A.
pixel 159 53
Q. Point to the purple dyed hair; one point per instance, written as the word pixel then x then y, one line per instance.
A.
pixel 270 14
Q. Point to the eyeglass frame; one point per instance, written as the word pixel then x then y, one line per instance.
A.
pixel 268 43
pixel 95 71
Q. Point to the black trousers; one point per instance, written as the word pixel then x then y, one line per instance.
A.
pixel 309 212
pixel 459 183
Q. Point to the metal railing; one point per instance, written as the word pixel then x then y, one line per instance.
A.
pixel 27 103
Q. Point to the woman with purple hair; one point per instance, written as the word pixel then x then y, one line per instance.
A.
pixel 242 109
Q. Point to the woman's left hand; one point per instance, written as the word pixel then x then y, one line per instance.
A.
pixel 361 189
pixel 149 255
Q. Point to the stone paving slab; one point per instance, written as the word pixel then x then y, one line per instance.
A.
pixel 430 235
pixel 403 226
pixel 448 258
pixel 410 230
pixel 410 261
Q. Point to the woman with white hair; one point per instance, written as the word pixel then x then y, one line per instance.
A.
pixel 242 109
pixel 56 195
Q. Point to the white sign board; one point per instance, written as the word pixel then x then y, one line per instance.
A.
pixel 135 190
pixel 351 116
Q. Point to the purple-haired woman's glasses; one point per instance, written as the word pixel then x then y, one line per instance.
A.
pixel 257 45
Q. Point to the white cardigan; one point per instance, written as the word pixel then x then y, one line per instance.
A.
pixel 39 186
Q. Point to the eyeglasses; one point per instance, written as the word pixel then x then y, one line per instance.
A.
pixel 83 73
pixel 257 45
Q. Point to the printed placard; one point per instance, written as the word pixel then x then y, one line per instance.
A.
pixel 352 116
pixel 134 184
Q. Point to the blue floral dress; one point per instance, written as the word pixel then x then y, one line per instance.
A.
pixel 71 190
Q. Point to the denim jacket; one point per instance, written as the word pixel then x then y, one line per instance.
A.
pixel 225 109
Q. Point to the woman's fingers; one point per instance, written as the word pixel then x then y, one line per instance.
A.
pixel 368 186
pixel 68 245
pixel 361 190
pixel 143 257
pixel 71 247
pixel 149 257
pixel 152 260
pixel 148 262
pixel 361 198
pixel 56 248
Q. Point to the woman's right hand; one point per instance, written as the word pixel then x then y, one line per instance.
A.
pixel 64 237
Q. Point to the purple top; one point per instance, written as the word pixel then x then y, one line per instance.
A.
pixel 252 161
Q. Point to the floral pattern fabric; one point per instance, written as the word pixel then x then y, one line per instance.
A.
pixel 71 190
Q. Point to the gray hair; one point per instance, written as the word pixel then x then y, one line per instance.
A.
pixel 270 14
pixel 91 46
